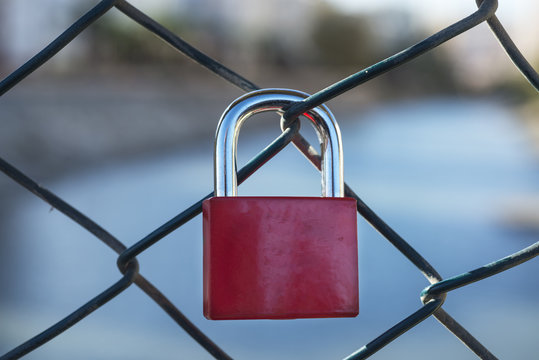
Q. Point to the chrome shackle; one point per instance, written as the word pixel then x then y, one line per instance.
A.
pixel 226 138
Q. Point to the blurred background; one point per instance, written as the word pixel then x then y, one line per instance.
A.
pixel 444 148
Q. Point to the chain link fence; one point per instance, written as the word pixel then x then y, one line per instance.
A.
pixel 432 296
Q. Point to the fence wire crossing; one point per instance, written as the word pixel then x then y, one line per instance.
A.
pixel 432 296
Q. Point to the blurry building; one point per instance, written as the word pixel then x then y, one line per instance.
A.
pixel 27 26
pixel 251 29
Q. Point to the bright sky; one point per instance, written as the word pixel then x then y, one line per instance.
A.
pixel 519 17
pixel 513 8
pixel 510 12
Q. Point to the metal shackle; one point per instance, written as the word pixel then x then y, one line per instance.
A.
pixel 226 138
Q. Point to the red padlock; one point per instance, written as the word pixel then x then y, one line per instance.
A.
pixel 279 257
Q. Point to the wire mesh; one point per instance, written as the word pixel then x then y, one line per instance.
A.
pixel 432 296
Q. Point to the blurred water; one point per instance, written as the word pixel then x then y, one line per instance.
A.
pixel 440 172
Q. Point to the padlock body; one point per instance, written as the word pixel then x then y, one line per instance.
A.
pixel 280 258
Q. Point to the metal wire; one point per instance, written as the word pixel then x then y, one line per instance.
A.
pixel 486 10
pixel 433 296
